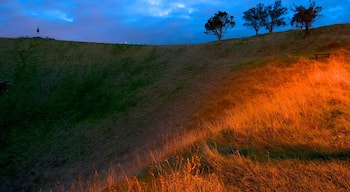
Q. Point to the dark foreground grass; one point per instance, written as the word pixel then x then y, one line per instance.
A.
pixel 52 91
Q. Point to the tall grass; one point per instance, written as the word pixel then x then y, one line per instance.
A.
pixel 310 112
pixel 72 103
pixel 291 135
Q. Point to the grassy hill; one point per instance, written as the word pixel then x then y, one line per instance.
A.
pixel 255 113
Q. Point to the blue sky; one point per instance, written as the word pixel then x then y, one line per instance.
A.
pixel 141 21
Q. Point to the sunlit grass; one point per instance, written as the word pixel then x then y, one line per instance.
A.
pixel 311 111
pixel 287 136
pixel 71 105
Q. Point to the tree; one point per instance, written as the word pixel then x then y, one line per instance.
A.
pixel 274 18
pixel 304 17
pixel 255 17
pixel 4 86
pixel 219 24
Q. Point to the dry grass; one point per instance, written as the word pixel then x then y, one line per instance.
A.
pixel 290 131
pixel 126 97
pixel 243 174
pixel 310 110
pixel 295 136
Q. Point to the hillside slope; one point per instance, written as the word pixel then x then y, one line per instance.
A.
pixel 72 105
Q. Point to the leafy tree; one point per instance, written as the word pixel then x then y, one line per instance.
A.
pixel 304 17
pixel 255 17
pixel 219 24
pixel 274 18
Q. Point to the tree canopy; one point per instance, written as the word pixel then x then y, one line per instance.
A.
pixel 219 24
pixel 269 17
pixel 255 17
pixel 274 13
pixel 304 17
pixel 265 16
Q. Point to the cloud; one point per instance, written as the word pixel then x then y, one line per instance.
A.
pixel 50 15
pixel 163 9
pixel 154 2
pixel 61 15
pixel 159 12
pixel 138 21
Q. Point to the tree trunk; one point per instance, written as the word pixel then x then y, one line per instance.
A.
pixel 306 30
pixel 219 37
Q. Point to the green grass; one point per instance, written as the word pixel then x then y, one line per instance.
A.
pixel 72 104
pixel 51 93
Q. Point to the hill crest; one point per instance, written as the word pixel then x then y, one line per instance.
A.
pixel 77 104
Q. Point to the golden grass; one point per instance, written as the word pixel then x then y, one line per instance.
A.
pixel 302 127
pixel 311 110
pixel 290 131
pixel 243 174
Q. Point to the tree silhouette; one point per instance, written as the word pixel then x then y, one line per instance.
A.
pixel 304 17
pixel 219 24
pixel 4 85
pixel 255 17
pixel 274 15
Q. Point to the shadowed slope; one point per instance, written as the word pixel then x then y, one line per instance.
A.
pixel 71 105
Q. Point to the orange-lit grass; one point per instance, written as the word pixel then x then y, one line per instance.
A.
pixel 291 133
pixel 184 175
pixel 312 111
pixel 243 174
pixel 299 128
pixel 304 107
pixel 181 174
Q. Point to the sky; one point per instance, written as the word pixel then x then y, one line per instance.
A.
pixel 156 22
